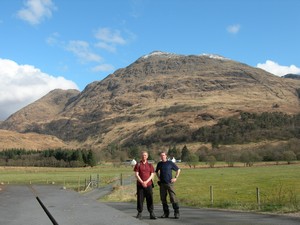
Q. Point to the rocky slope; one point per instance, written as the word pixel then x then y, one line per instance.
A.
pixel 158 91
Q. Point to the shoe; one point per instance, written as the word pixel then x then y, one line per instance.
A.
pixel 152 216
pixel 139 216
pixel 176 215
pixel 165 215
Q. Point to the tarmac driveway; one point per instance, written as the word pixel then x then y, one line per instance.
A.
pixel 193 216
pixel 19 205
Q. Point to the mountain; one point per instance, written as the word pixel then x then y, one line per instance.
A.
pixel 29 141
pixel 292 76
pixel 159 93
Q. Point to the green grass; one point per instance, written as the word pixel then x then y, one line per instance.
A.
pixel 233 188
pixel 279 187
pixel 73 178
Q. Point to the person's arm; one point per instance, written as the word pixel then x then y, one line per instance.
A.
pixel 138 177
pixel 177 173
pixel 150 178
pixel 157 172
pixel 176 176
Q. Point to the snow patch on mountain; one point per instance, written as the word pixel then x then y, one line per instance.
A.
pixel 214 56
pixel 160 54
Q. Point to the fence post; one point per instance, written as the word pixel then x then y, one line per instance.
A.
pixel 121 179
pixel 211 191
pixel 78 184
pixel 258 197
pixel 98 180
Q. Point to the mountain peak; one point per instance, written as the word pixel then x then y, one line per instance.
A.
pixel 162 54
pixel 215 56
pixel 159 54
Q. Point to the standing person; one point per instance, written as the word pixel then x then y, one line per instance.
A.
pixel 166 184
pixel 144 173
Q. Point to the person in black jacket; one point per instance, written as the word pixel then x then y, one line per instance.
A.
pixel 166 184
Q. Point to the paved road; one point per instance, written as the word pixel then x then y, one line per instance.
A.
pixel 192 216
pixel 19 206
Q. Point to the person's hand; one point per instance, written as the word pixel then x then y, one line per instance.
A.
pixel 144 184
pixel 173 180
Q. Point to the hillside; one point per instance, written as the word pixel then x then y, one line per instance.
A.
pixel 159 91
pixel 30 141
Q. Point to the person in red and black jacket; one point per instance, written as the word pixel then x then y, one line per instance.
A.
pixel 144 173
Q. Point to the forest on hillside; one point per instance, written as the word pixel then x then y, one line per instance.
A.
pixel 241 129
pixel 237 130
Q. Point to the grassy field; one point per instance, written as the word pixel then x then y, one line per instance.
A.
pixel 233 188
pixel 279 187
pixel 73 178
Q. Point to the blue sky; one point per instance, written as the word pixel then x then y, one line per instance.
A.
pixel 48 44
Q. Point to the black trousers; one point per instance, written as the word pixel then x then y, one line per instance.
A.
pixel 142 194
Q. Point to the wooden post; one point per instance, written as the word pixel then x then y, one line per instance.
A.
pixel 211 191
pixel 121 179
pixel 78 184
pixel 98 180
pixel 258 197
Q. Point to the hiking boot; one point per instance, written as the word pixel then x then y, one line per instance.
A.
pixel 176 215
pixel 139 216
pixel 165 215
pixel 152 216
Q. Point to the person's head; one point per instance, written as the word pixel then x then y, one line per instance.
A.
pixel 144 155
pixel 163 156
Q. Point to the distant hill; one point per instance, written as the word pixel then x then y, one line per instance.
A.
pixel 292 76
pixel 159 93
pixel 29 141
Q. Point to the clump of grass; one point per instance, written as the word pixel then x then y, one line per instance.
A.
pixel 281 198
pixel 121 194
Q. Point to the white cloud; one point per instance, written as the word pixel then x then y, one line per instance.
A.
pixel 233 29
pixel 53 39
pixel 107 47
pixel 20 85
pixel 36 10
pixel 103 68
pixel 110 36
pixel 82 50
pixel 109 39
pixel 276 69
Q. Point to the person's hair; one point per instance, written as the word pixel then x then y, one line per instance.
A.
pixel 144 152
pixel 162 153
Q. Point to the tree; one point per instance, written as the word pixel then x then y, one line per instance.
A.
pixel 249 157
pixel 192 160
pixel 91 161
pixel 230 158
pixel 174 152
pixel 185 154
pixel 289 156
pixel 133 152
pixel 211 160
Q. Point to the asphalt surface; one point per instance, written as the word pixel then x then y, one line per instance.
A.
pixel 19 205
pixel 194 216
